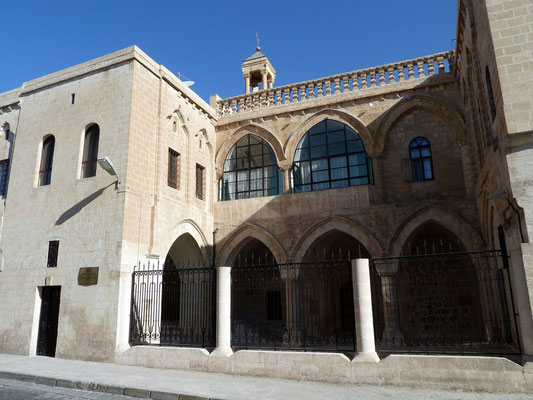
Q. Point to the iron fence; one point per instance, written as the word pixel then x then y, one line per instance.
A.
pixel 304 306
pixel 173 306
pixel 452 303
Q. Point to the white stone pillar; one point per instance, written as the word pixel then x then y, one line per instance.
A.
pixel 223 312
pixel 264 78
pixel 247 84
pixel 364 321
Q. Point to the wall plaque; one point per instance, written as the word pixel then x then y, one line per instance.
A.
pixel 88 276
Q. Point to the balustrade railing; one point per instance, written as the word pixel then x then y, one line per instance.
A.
pixel 334 85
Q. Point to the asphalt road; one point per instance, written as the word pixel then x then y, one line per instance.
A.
pixel 18 390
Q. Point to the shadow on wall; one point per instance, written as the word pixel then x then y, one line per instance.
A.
pixel 76 208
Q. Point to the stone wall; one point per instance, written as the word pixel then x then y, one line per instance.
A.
pixel 85 215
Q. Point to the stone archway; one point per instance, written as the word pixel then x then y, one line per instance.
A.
pixel 340 224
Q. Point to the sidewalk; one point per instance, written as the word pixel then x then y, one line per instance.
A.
pixel 172 384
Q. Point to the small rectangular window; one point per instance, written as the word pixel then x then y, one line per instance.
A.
pixel 4 167
pixel 53 250
pixel 200 178
pixel 173 168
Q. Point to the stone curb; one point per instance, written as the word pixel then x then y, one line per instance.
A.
pixel 101 388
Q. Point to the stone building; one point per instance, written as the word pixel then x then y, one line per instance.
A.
pixel 128 199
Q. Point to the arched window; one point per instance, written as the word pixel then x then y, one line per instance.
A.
pixel 250 170
pixel 421 163
pixel 330 155
pixel 47 158
pixel 90 151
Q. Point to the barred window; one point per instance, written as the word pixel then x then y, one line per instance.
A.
pixel 330 155
pixel 53 250
pixel 250 170
pixel 4 168
pixel 90 151
pixel 421 162
pixel 173 168
pixel 47 158
pixel 200 181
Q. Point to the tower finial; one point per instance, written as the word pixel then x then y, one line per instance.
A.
pixel 257 38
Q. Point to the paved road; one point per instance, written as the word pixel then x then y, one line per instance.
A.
pixel 18 390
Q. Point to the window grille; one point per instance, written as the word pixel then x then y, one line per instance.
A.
pixel 53 250
pixel 200 181
pixel 420 160
pixel 330 155
pixel 90 151
pixel 173 168
pixel 4 168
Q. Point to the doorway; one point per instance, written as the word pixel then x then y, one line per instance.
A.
pixel 47 337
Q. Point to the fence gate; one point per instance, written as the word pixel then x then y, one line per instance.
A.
pixel 173 306
pixel 298 306
pixel 455 303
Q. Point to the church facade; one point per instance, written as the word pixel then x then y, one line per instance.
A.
pixel 367 227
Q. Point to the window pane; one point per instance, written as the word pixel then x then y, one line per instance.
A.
pixel 359 170
pixel 318 140
pixel 351 134
pixel 415 153
pixel 337 148
pixel 242 163
pixel 321 186
pixel 270 159
pixel 339 173
pixel 256 173
pixel 256 149
pixel 337 162
pixel 317 152
pixel 339 184
pixel 425 152
pixel 357 159
pixel 256 161
pixel 301 154
pixel 428 173
pixel 320 176
pixel 317 165
pixel 336 137
pixel 320 127
pixel 334 125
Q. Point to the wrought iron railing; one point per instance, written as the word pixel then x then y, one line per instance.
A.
pixel 450 303
pixel 173 307
pixel 304 306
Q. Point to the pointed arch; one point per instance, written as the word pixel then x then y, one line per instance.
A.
pixel 254 129
pixel 428 103
pixel 190 227
pixel 237 239
pixel 341 116
pixel 341 224
pixel 447 219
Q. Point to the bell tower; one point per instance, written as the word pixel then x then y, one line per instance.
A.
pixel 258 72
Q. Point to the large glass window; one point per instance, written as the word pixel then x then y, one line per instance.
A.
pixel 330 155
pixel 90 151
pixel 421 163
pixel 47 158
pixel 250 170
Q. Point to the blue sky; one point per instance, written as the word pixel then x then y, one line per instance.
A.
pixel 207 40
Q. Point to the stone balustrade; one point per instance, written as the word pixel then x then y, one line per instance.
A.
pixel 334 85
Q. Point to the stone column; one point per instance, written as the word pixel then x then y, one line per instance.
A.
pixel 391 311
pixel 223 327
pixel 264 75
pixel 247 84
pixel 364 321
